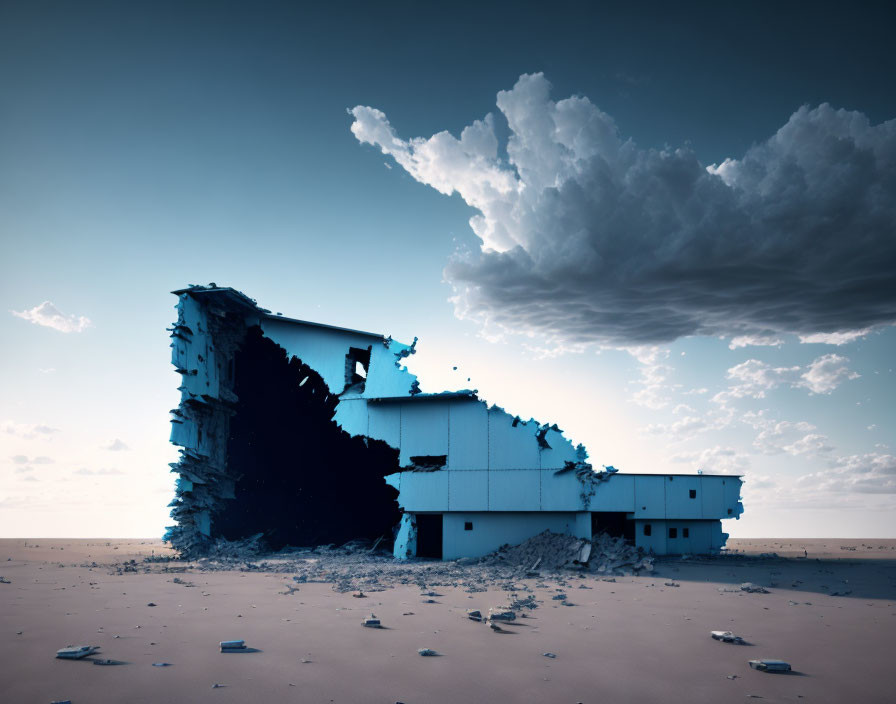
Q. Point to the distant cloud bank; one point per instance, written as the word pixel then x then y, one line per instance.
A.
pixel 49 316
pixel 586 237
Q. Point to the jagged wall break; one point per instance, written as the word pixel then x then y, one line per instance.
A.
pixel 304 432
pixel 302 480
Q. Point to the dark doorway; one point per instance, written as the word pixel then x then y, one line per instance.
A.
pixel 300 479
pixel 429 535
pixel 613 523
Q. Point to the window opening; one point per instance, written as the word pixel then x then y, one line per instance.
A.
pixel 685 533
pixel 357 364
pixel 693 493
pixel 647 530
pixel 673 532
pixel 468 525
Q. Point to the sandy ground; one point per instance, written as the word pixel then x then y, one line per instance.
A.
pixel 633 640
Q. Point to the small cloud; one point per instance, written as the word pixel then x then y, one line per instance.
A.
pixel 24 430
pixel 873 426
pixel 49 316
pixel 30 478
pixel 48 370
pixel 827 373
pixel 97 472
pixel 117 446
pixel 23 459
pixel 834 338
pixel 714 460
pixel 23 470
pixel 755 341
pixel 871 473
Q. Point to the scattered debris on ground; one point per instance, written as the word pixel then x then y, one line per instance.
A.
pixel 727 637
pixel 76 652
pixel 371 622
pixel 770 665
pixel 426 652
pixel 232 645
pixel 753 588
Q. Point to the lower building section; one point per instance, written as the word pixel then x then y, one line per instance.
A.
pixel 451 535
pixel 665 537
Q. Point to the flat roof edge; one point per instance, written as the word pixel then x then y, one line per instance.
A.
pixel 297 321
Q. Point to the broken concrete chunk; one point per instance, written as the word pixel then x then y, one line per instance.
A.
pixel 726 637
pixel 227 645
pixel 359 594
pixel 770 665
pixel 549 655
pixel 753 588
pixel 371 622
pixel 474 614
pixel 161 664
pixel 501 613
pixel 76 652
pixel 109 662
pixel 426 652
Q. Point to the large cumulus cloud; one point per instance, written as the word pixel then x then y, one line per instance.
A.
pixel 585 237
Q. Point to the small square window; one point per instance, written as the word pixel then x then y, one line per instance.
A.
pixel 673 532
pixel 729 512
pixel 646 529
pixel 468 525
pixel 685 533
pixel 693 493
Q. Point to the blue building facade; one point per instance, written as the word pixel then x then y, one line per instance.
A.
pixel 469 477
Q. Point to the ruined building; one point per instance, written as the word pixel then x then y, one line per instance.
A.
pixel 313 434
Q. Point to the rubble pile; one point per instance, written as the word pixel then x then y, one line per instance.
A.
pixel 551 552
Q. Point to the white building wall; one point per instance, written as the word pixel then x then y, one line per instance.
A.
pixel 467 436
pixel 704 536
pixel 679 503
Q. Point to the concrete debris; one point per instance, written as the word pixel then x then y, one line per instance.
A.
pixel 549 655
pixel 426 652
pixel 3 580
pixel 554 551
pixel 232 645
pixel 501 613
pixel 371 622
pixel 527 603
pixel 474 614
pixel 109 662
pixel 727 637
pixel 753 588
pixel 76 652
pixel 770 665
pixel 359 595
pixel 161 664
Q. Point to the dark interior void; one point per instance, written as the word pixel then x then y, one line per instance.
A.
pixel 429 535
pixel 613 523
pixel 302 479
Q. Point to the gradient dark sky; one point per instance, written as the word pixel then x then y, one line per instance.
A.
pixel 145 146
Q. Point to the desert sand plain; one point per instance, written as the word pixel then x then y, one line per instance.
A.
pixel 830 611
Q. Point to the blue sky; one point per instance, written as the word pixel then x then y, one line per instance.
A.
pixel 147 146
